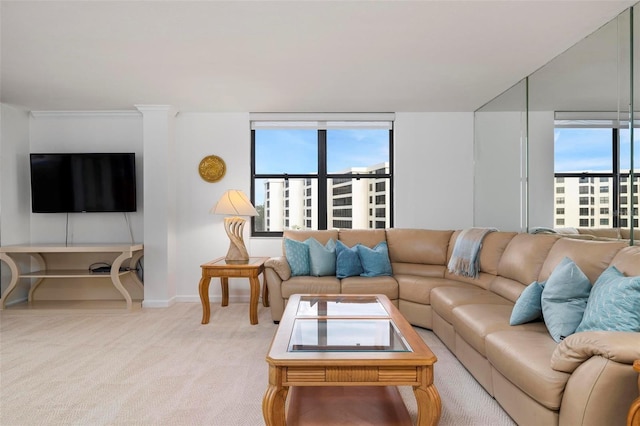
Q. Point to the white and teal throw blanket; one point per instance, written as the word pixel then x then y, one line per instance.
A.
pixel 464 260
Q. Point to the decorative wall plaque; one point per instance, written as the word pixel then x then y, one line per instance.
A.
pixel 212 168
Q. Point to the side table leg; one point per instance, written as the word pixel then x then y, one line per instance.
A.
pixel 427 399
pixel 254 286
pixel 224 285
pixel 265 291
pixel 273 403
pixel 204 298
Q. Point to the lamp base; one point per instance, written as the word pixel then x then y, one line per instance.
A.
pixel 237 253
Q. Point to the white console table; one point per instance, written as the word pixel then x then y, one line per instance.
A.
pixel 58 261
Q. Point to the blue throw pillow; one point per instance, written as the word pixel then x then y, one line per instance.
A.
pixel 322 259
pixel 528 307
pixel 564 299
pixel 297 254
pixel 375 261
pixel 614 303
pixel 347 261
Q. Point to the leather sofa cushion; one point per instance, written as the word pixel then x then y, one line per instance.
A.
pixel 474 322
pixel 628 261
pixel 507 288
pixel 445 299
pixel 483 280
pixel 367 237
pixel 312 285
pixel 418 289
pixel 435 271
pixel 418 246
pixel 591 258
pixel 524 256
pixel 371 285
pixel 523 357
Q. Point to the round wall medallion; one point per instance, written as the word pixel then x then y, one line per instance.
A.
pixel 212 168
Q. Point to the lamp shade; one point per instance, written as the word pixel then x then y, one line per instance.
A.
pixel 234 202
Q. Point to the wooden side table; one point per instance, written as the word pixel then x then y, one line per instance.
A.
pixel 223 270
pixel 634 412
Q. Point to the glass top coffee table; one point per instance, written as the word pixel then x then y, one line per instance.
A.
pixel 347 340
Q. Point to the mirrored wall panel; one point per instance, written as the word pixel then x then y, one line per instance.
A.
pixel 566 157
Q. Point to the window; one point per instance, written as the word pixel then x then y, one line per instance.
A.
pixel 560 210
pixel 560 190
pixel 559 200
pixel 338 163
pixel 584 212
pixel 592 159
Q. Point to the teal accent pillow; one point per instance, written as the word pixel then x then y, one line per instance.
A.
pixel 528 307
pixel 322 259
pixel 614 303
pixel 564 299
pixel 347 261
pixel 297 254
pixel 375 261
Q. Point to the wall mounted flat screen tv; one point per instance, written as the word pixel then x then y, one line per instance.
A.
pixel 83 182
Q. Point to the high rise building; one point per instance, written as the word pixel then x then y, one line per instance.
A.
pixel 352 203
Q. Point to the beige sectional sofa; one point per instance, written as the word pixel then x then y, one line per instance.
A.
pixel 587 379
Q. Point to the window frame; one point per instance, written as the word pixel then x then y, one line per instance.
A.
pixel 322 177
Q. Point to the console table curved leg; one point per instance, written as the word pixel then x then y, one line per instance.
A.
pixel 115 277
pixel 15 272
pixel 42 265
pixel 428 400
pixel 254 287
pixel 203 288
pixel 132 264
pixel 273 403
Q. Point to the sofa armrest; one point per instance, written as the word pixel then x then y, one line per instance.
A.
pixel 619 346
pixel 280 266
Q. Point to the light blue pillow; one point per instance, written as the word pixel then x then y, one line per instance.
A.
pixel 375 261
pixel 322 259
pixel 564 299
pixel 614 303
pixel 528 307
pixel 347 261
pixel 297 254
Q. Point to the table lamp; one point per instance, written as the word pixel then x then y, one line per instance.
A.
pixel 234 202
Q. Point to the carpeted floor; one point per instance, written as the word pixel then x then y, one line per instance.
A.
pixel 162 367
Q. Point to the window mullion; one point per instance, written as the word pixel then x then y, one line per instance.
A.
pixel 322 179
pixel 615 140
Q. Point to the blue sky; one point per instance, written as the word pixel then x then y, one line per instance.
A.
pixel 578 150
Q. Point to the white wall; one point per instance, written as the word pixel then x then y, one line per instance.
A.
pixel 14 186
pixel 87 132
pixel 433 170
pixel 200 235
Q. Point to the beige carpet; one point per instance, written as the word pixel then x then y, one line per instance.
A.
pixel 162 367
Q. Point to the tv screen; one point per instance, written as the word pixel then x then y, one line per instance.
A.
pixel 93 182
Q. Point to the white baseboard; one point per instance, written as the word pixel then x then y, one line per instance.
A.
pixel 158 303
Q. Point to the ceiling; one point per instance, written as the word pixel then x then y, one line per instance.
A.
pixel 282 56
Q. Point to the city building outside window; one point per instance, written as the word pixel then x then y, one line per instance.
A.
pixel 338 173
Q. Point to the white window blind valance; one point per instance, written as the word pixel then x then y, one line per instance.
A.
pixel 322 121
pixel 594 119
